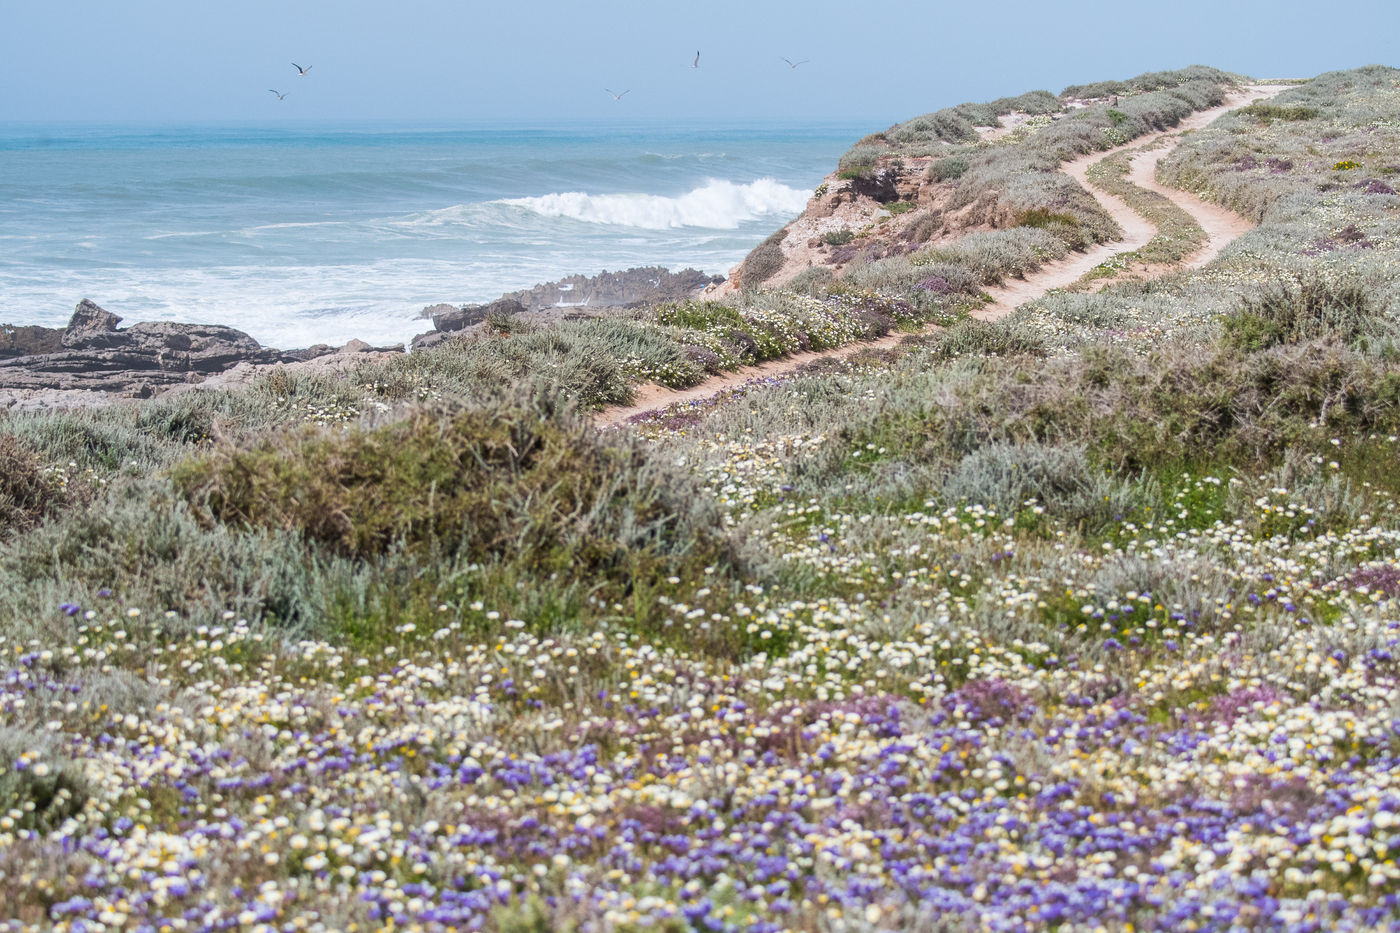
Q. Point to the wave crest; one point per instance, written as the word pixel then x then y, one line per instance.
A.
pixel 721 205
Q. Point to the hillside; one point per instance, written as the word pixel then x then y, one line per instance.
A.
pixel 1049 578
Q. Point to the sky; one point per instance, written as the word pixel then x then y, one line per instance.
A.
pixel 466 62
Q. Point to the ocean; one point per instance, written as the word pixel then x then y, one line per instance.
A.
pixel 301 236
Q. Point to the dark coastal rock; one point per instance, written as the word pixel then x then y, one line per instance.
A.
pixel 28 340
pixel 89 325
pixel 431 339
pixel 452 318
pixel 93 355
pixel 881 185
pixel 310 353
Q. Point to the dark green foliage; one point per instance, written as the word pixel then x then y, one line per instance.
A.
pixel 838 237
pixel 700 315
pixel 1267 112
pixel 1043 218
pixel 27 492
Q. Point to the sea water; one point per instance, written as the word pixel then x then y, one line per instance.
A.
pixel 319 235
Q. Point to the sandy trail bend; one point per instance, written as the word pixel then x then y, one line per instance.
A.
pixel 1221 225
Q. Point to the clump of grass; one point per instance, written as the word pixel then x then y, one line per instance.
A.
pixel 27 491
pixel 838 237
pixel 501 482
pixel 949 169
pixel 1058 478
pixel 1267 112
pixel 996 254
pixel 1313 308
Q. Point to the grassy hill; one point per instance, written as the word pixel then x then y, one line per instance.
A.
pixel 1080 618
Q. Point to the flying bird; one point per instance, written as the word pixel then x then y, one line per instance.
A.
pixel 618 96
pixel 280 95
pixel 793 64
pixel 301 72
pixel 696 63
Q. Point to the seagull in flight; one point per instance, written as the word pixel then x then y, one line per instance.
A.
pixel 280 95
pixel 696 63
pixel 301 72
pixel 618 96
pixel 793 64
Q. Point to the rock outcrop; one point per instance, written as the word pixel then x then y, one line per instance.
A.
pixel 92 355
pixel 447 318
pixel 28 340
pixel 574 297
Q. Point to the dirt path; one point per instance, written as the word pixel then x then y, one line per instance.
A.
pixel 1221 226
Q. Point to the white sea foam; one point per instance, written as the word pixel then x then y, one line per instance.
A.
pixel 721 205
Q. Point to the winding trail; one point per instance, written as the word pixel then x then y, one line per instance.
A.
pixel 1221 225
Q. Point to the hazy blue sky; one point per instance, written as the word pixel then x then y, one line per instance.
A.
pixel 464 61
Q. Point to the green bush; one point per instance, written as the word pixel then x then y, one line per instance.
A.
pixel 838 237
pixel 27 491
pixel 1061 479
pixel 1313 308
pixel 761 264
pixel 949 169
pixel 1267 112
pixel 514 482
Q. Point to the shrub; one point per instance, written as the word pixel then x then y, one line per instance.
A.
pixel 1311 309
pixel 1267 112
pixel 27 491
pixel 838 237
pixel 1042 218
pixel 1061 479
pixel 971 337
pixel 813 281
pixel 513 481
pixel 948 169
pixel 996 254
pixel 38 783
pixel 1153 81
pixel 761 264
pixel 859 160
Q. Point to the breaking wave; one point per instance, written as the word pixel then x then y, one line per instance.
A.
pixel 720 205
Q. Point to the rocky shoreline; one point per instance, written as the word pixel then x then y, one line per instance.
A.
pixel 93 362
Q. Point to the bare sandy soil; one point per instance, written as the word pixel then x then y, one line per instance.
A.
pixel 1221 225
